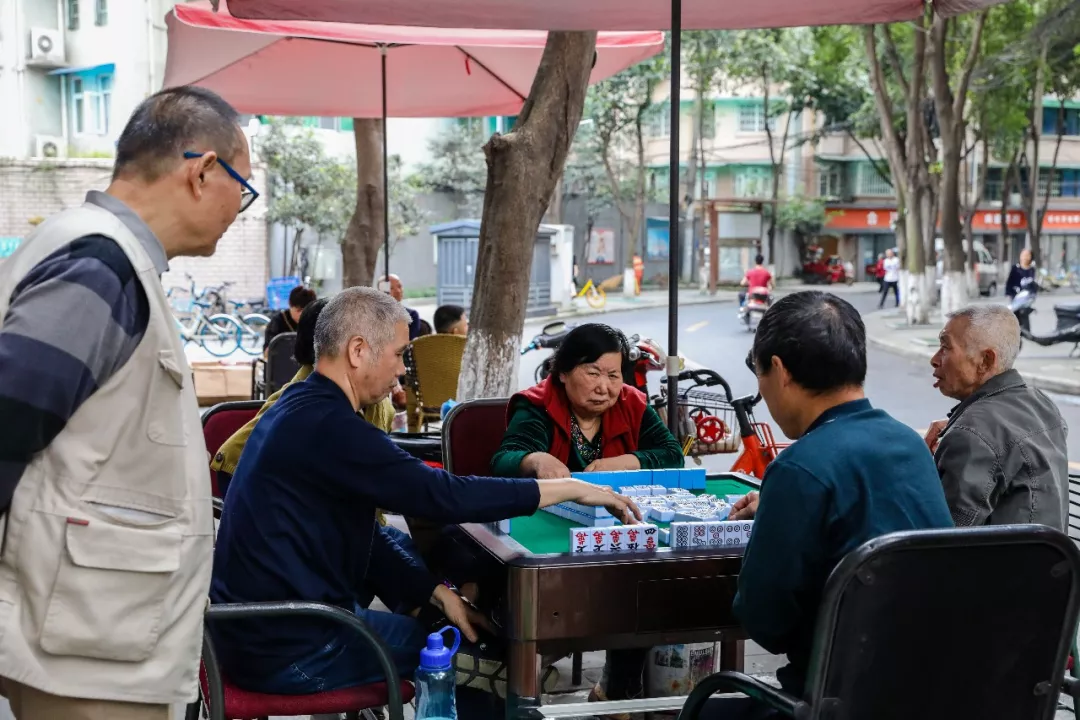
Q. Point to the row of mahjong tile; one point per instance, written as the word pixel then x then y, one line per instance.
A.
pixel 618 539
pixel 686 478
pixel 646 537
pixel 686 508
pixel 731 533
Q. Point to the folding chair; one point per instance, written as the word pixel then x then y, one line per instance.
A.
pixel 277 369
pixel 936 625
pixel 226 701
pixel 220 422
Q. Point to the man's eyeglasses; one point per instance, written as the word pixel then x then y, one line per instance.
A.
pixel 750 362
pixel 248 194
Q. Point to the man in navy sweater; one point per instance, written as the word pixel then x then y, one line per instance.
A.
pixel 300 522
pixel 853 474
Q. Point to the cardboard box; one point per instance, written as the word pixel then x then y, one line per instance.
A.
pixel 218 381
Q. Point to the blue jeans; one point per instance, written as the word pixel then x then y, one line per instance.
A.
pixel 389 595
pixel 348 660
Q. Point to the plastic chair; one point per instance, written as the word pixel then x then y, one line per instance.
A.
pixel 472 433
pixel 432 363
pixel 278 368
pixel 936 625
pixel 225 701
pixel 220 422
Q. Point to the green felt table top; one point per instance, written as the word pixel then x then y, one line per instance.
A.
pixel 544 533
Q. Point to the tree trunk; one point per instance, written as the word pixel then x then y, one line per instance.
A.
pixel 364 235
pixel 523 169
pixel 1032 194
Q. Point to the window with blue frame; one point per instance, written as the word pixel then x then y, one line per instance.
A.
pixel 1054 124
pixel 1070 183
pixel 91 103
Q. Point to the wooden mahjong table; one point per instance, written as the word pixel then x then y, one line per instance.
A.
pixel 556 603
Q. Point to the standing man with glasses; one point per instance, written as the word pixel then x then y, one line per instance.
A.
pixel 106 533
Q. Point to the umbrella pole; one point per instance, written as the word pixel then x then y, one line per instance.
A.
pixel 385 176
pixel 673 223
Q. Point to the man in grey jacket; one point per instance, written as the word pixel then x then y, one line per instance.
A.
pixel 1002 452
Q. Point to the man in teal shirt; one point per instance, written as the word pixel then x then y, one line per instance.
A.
pixel 853 474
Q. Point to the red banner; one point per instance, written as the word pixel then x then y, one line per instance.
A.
pixel 1061 221
pixel 990 220
pixel 860 219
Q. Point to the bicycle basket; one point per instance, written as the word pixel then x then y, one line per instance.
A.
pixel 707 423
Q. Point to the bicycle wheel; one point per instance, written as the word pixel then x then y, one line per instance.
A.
pixel 595 297
pixel 220 335
pixel 254 331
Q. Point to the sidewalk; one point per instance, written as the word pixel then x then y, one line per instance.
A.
pixel 616 302
pixel 1048 368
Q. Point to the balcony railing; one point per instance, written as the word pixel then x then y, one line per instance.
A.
pixel 1058 189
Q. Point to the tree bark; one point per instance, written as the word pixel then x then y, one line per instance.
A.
pixel 1032 194
pixel 950 117
pixel 364 235
pixel 523 169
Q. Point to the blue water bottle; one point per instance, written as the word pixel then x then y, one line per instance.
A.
pixel 436 677
pixel 446 407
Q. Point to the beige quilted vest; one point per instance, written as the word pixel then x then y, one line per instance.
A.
pixel 108 544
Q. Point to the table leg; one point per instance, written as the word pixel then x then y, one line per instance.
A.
pixel 523 679
pixel 731 655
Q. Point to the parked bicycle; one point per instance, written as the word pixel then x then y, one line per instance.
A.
pixel 218 334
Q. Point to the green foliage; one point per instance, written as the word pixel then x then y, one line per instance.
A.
pixel 803 215
pixel 457 166
pixel 308 189
pixel 311 191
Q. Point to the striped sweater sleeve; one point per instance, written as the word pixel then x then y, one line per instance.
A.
pixel 73 321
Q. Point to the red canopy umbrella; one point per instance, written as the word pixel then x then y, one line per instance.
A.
pixel 600 14
pixel 344 70
pixel 335 69
pixel 618 15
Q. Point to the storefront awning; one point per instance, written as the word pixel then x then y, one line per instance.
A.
pixel 102 69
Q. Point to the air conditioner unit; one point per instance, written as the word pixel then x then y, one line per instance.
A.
pixel 49 146
pixel 46 48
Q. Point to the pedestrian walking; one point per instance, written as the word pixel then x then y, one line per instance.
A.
pixel 891 279
pixel 107 530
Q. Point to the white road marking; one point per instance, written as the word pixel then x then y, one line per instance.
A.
pixel 697 326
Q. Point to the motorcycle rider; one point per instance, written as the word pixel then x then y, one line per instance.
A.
pixel 1022 276
pixel 757 276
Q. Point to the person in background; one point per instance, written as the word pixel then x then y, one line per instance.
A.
pixel 286 320
pixel 1022 276
pixel 890 280
pixel 879 271
pixel 101 424
pixel 312 475
pixel 1002 453
pixel 853 474
pixel 381 414
pixel 396 290
pixel 584 418
pixel 757 276
pixel 451 320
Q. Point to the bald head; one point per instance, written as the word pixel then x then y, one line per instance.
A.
pixel 977 343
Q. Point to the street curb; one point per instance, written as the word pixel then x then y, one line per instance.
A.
pixel 1043 382
pixel 587 311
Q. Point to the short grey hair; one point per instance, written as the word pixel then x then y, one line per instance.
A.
pixel 362 311
pixel 992 327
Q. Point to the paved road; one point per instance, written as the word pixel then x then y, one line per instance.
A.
pixel 710 335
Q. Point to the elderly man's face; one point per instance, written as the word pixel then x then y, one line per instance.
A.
pixel 374 371
pixel 396 290
pixel 959 368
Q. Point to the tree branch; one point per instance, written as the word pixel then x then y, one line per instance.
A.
pixel 969 64
pixel 894 59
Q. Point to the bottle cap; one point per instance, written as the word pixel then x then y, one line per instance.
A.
pixel 436 656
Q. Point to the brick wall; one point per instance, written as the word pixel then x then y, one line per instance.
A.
pixel 31 189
